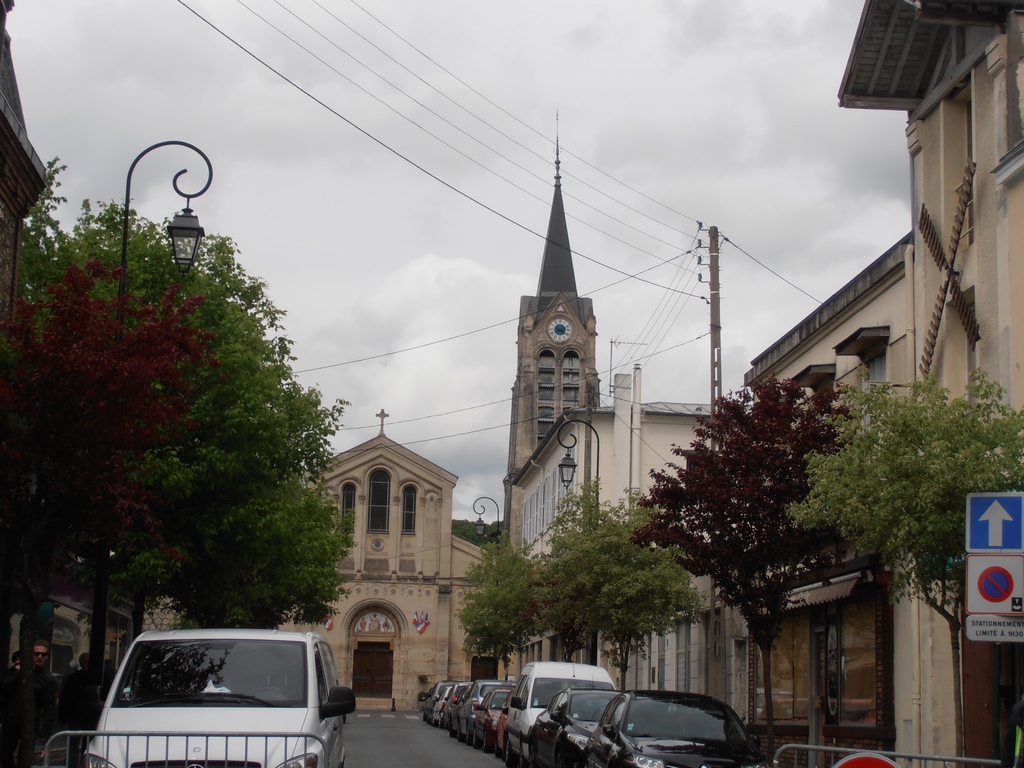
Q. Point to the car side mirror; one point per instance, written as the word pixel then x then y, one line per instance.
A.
pixel 516 702
pixel 610 730
pixel 558 717
pixel 340 701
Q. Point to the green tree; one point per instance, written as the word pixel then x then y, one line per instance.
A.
pixel 900 483
pixel 597 580
pixel 83 398
pixel 250 536
pixel 499 614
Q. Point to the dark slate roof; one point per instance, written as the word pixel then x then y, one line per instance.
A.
pixel 556 272
pixel 901 45
pixel 10 105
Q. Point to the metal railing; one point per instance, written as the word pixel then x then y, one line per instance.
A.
pixel 911 760
pixel 212 749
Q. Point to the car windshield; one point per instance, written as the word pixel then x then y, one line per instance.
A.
pixel 688 721
pixel 234 673
pixel 589 706
pixel 546 687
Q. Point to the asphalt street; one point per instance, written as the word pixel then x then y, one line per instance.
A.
pixel 374 739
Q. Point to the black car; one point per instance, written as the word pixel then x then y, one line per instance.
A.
pixel 559 737
pixel 658 728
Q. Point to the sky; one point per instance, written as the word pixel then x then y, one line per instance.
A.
pixel 386 167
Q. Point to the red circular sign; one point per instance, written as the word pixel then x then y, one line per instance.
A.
pixel 995 584
pixel 866 760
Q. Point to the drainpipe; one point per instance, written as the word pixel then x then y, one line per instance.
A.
pixel 911 375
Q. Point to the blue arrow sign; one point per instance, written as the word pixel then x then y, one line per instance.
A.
pixel 995 522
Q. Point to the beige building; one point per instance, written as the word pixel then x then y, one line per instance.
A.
pixel 396 631
pixel 957 70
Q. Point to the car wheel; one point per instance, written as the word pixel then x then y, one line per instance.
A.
pixel 562 760
pixel 463 737
pixel 511 758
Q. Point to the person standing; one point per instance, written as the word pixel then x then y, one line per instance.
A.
pixel 71 709
pixel 44 686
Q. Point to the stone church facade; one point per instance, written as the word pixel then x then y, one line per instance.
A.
pixel 395 633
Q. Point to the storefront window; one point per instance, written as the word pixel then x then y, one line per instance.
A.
pixel 790 671
pixel 857 664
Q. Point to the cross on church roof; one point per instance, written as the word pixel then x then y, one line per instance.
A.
pixel 382 415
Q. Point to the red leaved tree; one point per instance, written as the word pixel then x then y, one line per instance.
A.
pixel 724 513
pixel 82 399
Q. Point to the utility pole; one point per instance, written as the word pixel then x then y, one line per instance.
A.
pixel 715 669
pixel 716 319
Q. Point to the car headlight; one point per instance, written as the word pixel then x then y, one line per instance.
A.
pixel 307 760
pixel 641 761
pixel 577 740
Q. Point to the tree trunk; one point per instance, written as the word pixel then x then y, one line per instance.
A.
pixel 769 709
pixel 138 612
pixel 958 702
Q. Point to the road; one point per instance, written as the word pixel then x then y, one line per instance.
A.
pixel 374 739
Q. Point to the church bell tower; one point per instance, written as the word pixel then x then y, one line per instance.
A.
pixel 556 368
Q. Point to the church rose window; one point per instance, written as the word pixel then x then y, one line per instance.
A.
pixel 380 493
pixel 409 509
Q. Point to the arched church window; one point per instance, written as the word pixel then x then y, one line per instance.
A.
pixel 545 392
pixel 409 509
pixel 570 380
pixel 348 503
pixel 380 495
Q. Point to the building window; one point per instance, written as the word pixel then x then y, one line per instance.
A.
pixel 857 664
pixel 409 509
pixel 790 671
pixel 348 505
pixel 876 368
pixel 545 393
pixel 570 380
pixel 380 508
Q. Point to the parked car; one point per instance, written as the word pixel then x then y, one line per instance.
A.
pixel 278 690
pixel 485 725
pixel 448 711
pixel 431 699
pixel 562 730
pixel 537 684
pixel 469 705
pixel 671 728
pixel 500 728
pixel 440 704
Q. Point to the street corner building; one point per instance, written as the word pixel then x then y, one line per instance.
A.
pixel 396 633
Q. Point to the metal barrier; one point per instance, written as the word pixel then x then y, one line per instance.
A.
pixel 213 749
pixel 911 760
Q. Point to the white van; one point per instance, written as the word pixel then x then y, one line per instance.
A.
pixel 179 694
pixel 537 684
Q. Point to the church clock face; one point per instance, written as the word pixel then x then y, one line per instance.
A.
pixel 560 329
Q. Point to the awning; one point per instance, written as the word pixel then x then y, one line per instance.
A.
pixel 863 340
pixel 826 591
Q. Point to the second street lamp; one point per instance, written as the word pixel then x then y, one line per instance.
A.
pixel 567 466
pixel 186 234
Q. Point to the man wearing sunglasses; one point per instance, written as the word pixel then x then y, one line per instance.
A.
pixel 44 686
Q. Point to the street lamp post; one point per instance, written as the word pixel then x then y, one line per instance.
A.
pixel 567 466
pixel 185 234
pixel 481 526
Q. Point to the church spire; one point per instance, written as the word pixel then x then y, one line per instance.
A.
pixel 556 271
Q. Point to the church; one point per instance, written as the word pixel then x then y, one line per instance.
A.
pixel 396 633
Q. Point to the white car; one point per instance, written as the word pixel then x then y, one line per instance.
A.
pixel 238 698
pixel 537 683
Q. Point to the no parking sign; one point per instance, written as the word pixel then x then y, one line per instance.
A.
pixel 995 584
